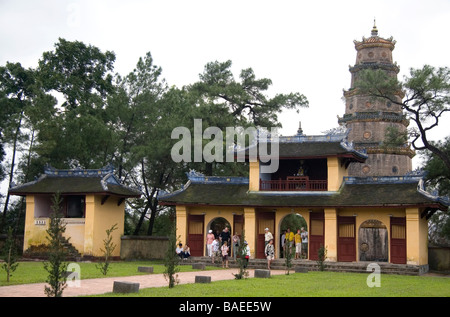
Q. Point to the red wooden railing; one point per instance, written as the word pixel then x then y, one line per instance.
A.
pixel 293 183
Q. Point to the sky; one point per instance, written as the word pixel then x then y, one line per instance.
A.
pixel 302 46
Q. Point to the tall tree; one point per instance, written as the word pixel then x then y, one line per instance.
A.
pixel 223 101
pixel 16 98
pixel 426 99
pixel 438 178
pixel 77 134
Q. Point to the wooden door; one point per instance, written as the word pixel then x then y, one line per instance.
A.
pixel 398 240
pixel 346 242
pixel 265 220
pixel 195 238
pixel 238 227
pixel 316 234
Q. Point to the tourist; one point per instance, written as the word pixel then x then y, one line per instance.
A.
pixel 224 250
pixel 289 241
pixel 283 240
pixel 270 253
pixel 304 242
pixel 225 236
pixel 236 243
pixel 215 249
pixel 267 236
pixel 298 244
pixel 209 240
pixel 187 252
pixel 247 254
pixel 179 250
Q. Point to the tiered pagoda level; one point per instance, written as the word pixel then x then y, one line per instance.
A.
pixel 368 119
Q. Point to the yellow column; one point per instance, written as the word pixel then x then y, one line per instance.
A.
pixel 416 238
pixel 29 221
pixel 254 176
pixel 250 229
pixel 330 238
pixel 89 225
pixel 336 173
pixel 181 224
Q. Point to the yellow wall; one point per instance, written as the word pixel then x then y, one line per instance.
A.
pixel 86 234
pixel 250 229
pixel 34 234
pixel 416 238
pixel 330 234
pixel 336 173
pixel 103 218
pixel 254 176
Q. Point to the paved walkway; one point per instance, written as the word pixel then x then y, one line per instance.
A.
pixel 105 285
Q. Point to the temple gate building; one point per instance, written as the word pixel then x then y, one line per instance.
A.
pixel 92 201
pixel 356 196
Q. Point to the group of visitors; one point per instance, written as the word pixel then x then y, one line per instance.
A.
pixel 183 252
pixel 300 239
pixel 222 244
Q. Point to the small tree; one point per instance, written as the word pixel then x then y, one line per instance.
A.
pixel 322 255
pixel 56 266
pixel 241 260
pixel 172 259
pixel 107 251
pixel 10 254
pixel 289 253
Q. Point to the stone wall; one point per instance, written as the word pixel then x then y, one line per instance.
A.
pixel 439 258
pixel 143 247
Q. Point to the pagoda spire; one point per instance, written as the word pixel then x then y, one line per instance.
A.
pixel 374 29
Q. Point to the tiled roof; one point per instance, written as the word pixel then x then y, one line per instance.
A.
pixel 363 193
pixel 76 182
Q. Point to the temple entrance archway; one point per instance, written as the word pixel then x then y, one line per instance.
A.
pixel 294 222
pixel 373 241
pixel 217 225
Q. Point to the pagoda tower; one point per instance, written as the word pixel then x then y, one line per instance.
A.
pixel 369 120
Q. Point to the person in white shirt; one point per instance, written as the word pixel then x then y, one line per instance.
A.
pixel 267 236
pixel 215 249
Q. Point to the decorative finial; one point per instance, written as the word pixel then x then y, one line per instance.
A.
pixel 299 131
pixel 374 29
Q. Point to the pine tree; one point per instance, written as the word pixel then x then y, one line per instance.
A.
pixel 56 265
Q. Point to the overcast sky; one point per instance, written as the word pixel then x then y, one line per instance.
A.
pixel 302 46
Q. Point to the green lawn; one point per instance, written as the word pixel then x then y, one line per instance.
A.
pixel 34 272
pixel 295 284
pixel 310 284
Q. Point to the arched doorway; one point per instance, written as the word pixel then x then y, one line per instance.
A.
pixel 293 222
pixel 217 225
pixel 373 241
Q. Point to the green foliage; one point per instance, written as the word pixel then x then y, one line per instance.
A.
pixel 172 260
pixel 107 251
pixel 98 118
pixel 322 255
pixel 56 265
pixel 241 260
pixel 424 95
pixel 289 253
pixel 394 138
pixel 438 178
pixel 10 255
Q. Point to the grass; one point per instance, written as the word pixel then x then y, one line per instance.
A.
pixel 312 284
pixel 34 272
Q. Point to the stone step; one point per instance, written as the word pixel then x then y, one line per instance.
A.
pixel 280 264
